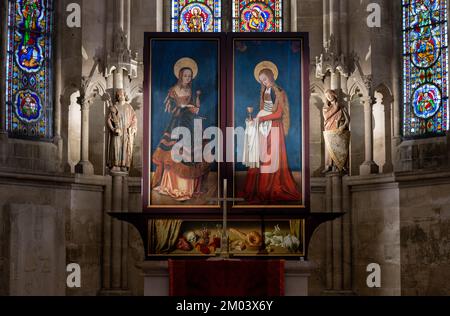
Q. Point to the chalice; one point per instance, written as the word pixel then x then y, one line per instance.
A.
pixel 250 111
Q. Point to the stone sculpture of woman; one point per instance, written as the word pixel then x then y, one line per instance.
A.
pixel 336 133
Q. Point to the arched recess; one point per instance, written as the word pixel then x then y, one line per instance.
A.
pixel 98 111
pixel 383 126
pixel 68 100
pixel 317 147
pixel 357 143
pixel 74 132
pixel 136 99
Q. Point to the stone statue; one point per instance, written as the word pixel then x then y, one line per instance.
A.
pixel 336 134
pixel 122 125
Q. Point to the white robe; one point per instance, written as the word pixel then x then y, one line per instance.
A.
pixel 255 132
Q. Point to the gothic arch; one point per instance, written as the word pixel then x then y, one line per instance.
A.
pixel 383 127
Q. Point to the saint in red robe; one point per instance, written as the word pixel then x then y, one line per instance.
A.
pixel 278 186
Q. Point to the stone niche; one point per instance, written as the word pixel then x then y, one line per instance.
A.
pixel 34 250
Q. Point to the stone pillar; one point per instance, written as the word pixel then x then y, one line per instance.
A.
pixel 329 232
pixel 84 166
pixel 334 180
pixel 343 26
pixel 334 21
pixel 294 15
pixel 347 280
pixel 116 244
pixel 128 21
pixel 115 274
pixel 335 81
pixel 107 220
pixel 326 21
pixel 124 229
pixel 338 257
pixel 120 68
pixel 159 16
pixel 369 166
pixel 168 16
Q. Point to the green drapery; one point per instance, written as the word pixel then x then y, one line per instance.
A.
pixel 296 227
pixel 163 235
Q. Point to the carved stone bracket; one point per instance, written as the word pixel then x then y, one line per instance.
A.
pixel 331 61
pixel 121 57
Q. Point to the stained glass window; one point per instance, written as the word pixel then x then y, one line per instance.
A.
pixel 257 16
pixel 196 16
pixel 29 112
pixel 425 68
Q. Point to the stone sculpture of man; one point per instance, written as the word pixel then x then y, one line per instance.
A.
pixel 336 133
pixel 122 125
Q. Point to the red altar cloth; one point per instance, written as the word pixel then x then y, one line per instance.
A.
pixel 255 278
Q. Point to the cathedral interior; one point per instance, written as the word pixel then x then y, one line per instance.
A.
pixel 56 187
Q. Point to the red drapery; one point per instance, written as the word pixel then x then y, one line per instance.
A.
pixel 255 278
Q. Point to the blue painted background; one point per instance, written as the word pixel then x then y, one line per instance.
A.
pixel 247 89
pixel 165 54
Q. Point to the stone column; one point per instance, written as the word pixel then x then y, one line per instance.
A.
pixel 338 257
pixel 125 226
pixel 335 80
pixel 168 16
pixel 329 232
pixel 120 68
pixel 343 26
pixel 128 21
pixel 115 274
pixel 294 15
pixel 116 243
pixel 107 220
pixel 346 236
pixel 369 166
pixel 334 232
pixel 334 21
pixel 84 166
pixel 287 16
pixel 326 21
pixel 159 16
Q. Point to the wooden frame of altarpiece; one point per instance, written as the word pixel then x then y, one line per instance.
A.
pixel 222 87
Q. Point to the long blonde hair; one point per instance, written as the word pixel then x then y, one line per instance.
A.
pixel 280 98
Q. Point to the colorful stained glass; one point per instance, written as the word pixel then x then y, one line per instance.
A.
pixel 196 16
pixel 425 70
pixel 257 16
pixel 28 85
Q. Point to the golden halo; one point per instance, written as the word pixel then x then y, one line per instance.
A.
pixel 266 65
pixel 185 63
